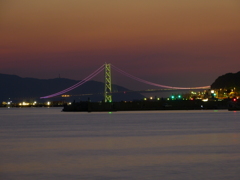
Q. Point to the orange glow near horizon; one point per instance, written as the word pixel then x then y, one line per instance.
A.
pixel 161 33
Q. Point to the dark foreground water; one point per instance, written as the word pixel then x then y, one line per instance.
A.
pixel 47 144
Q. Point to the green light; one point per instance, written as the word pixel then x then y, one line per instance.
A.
pixel 172 97
pixel 109 112
pixel 179 96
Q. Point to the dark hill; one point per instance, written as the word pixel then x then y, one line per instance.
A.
pixel 227 81
pixel 19 89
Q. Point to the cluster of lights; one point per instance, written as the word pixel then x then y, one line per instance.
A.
pixel 176 97
pixel 34 103
pixel 7 103
pixel 65 95
pixel 151 98
pixel 27 103
pixel 213 93
pixel 24 104
pixel 193 92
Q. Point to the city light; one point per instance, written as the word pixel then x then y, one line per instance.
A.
pixel 65 95
pixel 24 104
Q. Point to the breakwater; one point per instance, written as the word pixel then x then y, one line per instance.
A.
pixel 145 105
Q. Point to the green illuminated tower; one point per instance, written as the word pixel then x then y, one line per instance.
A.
pixel 108 83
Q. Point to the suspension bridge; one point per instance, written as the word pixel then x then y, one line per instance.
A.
pixel 107 67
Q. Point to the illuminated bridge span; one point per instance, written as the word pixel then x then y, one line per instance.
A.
pixel 107 91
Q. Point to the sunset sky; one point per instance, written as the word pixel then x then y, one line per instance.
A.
pixel 174 42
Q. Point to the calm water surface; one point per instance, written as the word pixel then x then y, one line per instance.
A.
pixel 47 144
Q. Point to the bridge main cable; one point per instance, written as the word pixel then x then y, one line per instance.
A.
pixel 154 84
pixel 77 84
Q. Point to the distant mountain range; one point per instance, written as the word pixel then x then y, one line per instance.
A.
pixel 17 89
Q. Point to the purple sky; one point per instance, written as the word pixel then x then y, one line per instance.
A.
pixel 177 43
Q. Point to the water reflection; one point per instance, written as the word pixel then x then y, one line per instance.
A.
pixel 49 144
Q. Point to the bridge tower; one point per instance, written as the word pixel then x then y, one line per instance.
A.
pixel 108 83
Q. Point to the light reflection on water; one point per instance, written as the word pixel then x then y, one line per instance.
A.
pixel 41 143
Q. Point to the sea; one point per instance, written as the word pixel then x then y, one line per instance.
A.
pixel 48 144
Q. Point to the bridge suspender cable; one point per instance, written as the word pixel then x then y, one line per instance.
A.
pixel 154 84
pixel 107 91
pixel 76 85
